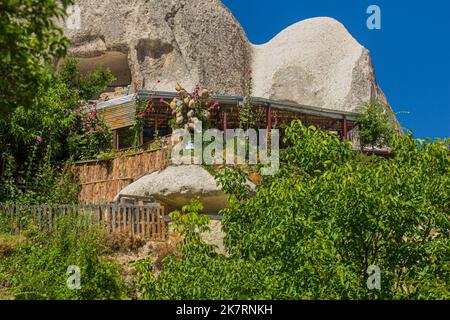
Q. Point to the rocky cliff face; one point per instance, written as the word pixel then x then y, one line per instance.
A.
pixel 314 62
pixel 189 41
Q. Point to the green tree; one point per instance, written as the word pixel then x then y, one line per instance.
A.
pixel 377 124
pixel 50 132
pixel 312 230
pixel 30 40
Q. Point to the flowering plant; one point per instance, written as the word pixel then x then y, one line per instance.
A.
pixel 190 109
pixel 90 135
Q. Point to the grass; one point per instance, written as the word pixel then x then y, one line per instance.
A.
pixel 9 243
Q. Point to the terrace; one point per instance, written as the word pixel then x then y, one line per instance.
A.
pixel 119 115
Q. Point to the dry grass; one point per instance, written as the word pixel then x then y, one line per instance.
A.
pixel 9 243
pixel 162 250
pixel 124 243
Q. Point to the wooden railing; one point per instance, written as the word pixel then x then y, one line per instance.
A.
pixel 146 221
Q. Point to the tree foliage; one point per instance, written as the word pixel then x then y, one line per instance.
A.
pixel 30 40
pixel 312 230
pixel 377 124
pixel 43 137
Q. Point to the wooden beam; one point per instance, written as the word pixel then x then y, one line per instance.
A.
pixel 224 120
pixel 345 127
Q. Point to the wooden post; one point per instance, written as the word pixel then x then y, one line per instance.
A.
pixel 224 120
pixel 345 127
pixel 163 229
pixel 269 124
pixel 116 139
pixel 156 124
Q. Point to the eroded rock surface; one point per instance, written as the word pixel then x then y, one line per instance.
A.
pixel 175 186
pixel 313 62
pixel 186 41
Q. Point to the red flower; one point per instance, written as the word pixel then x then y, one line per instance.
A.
pixel 150 99
pixel 91 129
pixel 158 81
pixel 161 100
pixel 94 105
pixel 134 84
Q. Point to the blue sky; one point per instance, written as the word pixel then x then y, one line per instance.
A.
pixel 411 52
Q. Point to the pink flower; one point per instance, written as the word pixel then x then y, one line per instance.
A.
pixel 94 105
pixel 39 139
pixel 150 99
pixel 91 129
pixel 161 100
pixel 158 81
pixel 137 91
pixel 134 84
pixel 250 71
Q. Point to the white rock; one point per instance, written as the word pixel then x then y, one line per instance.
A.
pixel 315 62
pixel 175 186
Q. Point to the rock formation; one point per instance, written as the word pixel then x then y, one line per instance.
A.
pixel 175 186
pixel 314 62
pixel 186 41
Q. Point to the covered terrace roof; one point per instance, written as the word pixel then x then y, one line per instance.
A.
pixel 234 100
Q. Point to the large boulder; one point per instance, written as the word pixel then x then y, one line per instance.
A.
pixel 175 186
pixel 315 62
pixel 187 41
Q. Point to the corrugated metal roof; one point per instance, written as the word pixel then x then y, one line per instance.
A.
pixel 283 105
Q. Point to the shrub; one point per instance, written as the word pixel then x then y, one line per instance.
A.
pixel 312 230
pixel 377 124
pixel 39 268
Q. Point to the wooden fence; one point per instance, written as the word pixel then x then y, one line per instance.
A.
pixel 100 181
pixel 146 221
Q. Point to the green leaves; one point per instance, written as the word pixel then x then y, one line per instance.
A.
pixel 377 124
pixel 38 268
pixel 30 40
pixel 50 127
pixel 311 231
